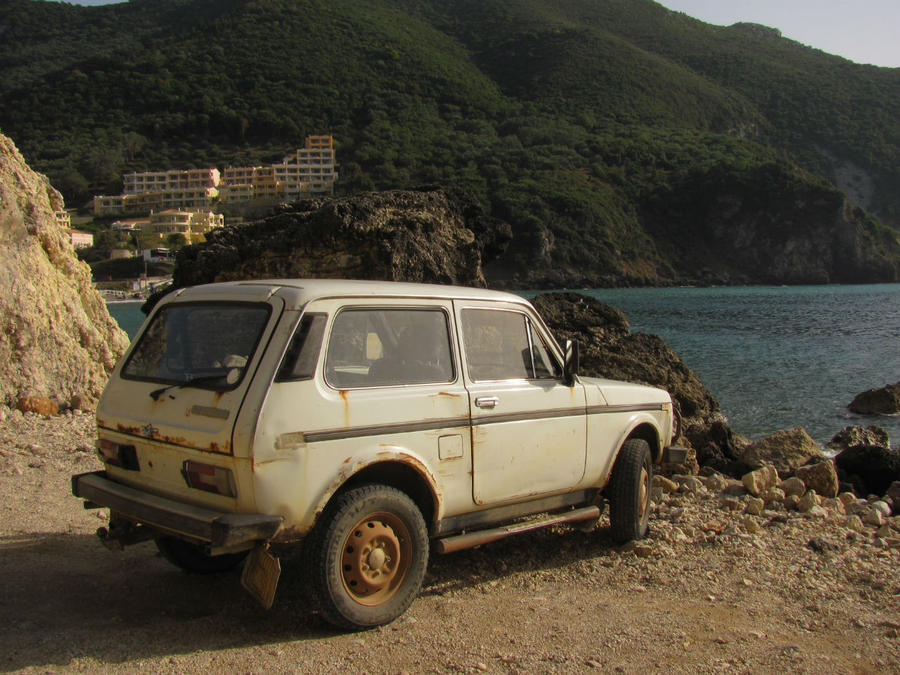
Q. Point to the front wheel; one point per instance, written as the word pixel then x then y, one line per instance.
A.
pixel 629 491
pixel 368 557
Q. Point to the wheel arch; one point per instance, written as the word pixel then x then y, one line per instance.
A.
pixel 401 472
pixel 649 433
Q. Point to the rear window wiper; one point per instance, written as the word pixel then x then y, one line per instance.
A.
pixel 206 379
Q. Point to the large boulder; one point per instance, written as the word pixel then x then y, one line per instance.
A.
pixel 785 449
pixel 57 340
pixel 882 401
pixel 868 469
pixel 428 235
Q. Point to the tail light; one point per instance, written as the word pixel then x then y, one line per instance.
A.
pixel 209 478
pixel 124 456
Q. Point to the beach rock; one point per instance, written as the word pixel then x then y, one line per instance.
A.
pixel 881 401
pixel 785 450
pixel 808 501
pixel 793 486
pixel 850 436
pixel 427 235
pixel 57 339
pixel 757 482
pixel 870 469
pixel 40 405
pixel 821 477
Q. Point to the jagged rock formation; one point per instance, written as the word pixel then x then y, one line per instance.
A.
pixel 427 235
pixel 57 339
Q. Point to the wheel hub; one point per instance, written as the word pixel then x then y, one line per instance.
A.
pixel 372 560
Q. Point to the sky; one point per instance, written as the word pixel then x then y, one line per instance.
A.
pixel 864 31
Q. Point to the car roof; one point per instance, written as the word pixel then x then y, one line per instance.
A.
pixel 298 292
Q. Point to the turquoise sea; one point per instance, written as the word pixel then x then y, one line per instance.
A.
pixel 774 357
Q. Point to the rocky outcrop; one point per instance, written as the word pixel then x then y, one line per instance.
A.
pixel 883 401
pixel 768 224
pixel 426 235
pixel 609 349
pixel 851 436
pixel 57 341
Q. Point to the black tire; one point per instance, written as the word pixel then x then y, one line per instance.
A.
pixel 629 491
pixel 367 557
pixel 191 557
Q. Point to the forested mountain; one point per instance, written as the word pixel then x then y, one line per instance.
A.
pixel 624 143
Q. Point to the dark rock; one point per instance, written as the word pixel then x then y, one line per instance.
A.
pixel 870 469
pixel 786 450
pixel 850 436
pixel 883 401
pixel 40 405
pixel 718 447
pixel 427 235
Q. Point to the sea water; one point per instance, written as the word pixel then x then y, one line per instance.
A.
pixel 774 357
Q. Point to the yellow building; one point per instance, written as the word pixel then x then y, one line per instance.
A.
pixel 192 225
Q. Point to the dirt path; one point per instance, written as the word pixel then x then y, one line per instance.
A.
pixel 700 595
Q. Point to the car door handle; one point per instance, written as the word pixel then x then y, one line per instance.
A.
pixel 487 401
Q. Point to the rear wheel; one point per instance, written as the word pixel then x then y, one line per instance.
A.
pixel 192 558
pixel 368 557
pixel 629 491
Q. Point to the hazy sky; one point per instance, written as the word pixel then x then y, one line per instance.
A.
pixel 865 31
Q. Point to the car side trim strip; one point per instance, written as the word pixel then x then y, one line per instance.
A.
pixel 455 422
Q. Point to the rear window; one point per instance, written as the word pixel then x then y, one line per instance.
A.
pixel 204 344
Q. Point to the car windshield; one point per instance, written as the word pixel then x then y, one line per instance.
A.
pixel 207 345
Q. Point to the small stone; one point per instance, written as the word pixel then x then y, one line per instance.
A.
pixel 40 405
pixel 817 512
pixel 821 477
pixel 731 503
pixel 668 486
pixel 793 486
pixel 855 523
pixel 882 507
pixel 755 506
pixel 750 525
pixel 835 505
pixel 847 498
pixel 791 502
pixel 756 482
pixel 808 501
pixel 774 495
pixel 873 517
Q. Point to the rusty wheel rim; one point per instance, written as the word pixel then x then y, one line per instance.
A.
pixel 376 558
pixel 644 494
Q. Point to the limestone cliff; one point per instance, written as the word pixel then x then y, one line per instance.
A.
pixel 56 337
pixel 427 235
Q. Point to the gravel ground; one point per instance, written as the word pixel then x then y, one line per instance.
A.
pixel 712 589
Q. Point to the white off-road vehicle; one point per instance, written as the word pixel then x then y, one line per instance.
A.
pixel 366 421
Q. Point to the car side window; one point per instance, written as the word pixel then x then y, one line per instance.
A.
pixel 371 347
pixel 503 345
pixel 299 362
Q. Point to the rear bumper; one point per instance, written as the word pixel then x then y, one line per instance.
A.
pixel 221 530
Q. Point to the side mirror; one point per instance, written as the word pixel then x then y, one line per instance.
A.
pixel 571 363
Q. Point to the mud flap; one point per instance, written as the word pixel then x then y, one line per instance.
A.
pixel 260 575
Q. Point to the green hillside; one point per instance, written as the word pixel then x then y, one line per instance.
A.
pixel 597 129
